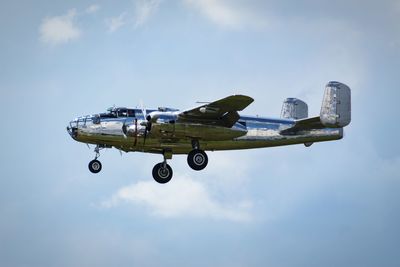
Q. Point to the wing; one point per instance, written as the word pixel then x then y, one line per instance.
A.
pixel 223 112
pixel 304 124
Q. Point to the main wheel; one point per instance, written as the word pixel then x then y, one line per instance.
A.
pixel 95 166
pixel 162 174
pixel 197 159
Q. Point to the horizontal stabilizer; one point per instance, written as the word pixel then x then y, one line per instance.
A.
pixel 304 124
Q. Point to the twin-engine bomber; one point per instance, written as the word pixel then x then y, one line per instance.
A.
pixel 210 127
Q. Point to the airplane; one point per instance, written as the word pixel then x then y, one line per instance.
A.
pixel 211 126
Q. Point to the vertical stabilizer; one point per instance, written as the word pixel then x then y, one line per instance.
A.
pixel 336 105
pixel 294 108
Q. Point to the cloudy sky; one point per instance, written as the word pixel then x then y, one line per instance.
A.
pixel 333 204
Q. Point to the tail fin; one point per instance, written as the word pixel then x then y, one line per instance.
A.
pixel 294 108
pixel 336 105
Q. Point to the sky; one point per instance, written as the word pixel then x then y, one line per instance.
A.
pixel 333 204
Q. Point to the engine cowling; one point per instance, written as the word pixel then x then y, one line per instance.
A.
pixel 133 129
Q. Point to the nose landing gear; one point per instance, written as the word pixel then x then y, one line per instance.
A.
pixel 95 165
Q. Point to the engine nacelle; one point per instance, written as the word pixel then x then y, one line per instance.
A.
pixel 160 116
pixel 336 105
pixel 134 129
pixel 196 131
pixel 164 125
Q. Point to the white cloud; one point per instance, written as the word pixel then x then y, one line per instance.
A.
pixel 115 23
pixel 59 29
pixel 226 13
pixel 181 197
pixel 92 9
pixel 144 9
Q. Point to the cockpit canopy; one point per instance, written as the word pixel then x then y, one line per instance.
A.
pixel 122 112
pixel 118 112
pixel 114 113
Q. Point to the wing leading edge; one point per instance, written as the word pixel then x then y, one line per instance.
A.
pixel 223 112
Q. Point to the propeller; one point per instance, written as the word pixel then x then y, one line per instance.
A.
pixel 126 131
pixel 146 122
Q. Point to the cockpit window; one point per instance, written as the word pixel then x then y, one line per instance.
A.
pixel 107 115
pixel 118 112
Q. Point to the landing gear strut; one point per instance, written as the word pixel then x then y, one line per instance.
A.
pixel 197 158
pixel 95 165
pixel 162 172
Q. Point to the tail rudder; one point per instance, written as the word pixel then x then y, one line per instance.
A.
pixel 294 108
pixel 336 105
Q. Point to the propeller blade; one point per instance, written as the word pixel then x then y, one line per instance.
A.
pixel 144 113
pixel 146 123
pixel 145 136
pixel 124 129
pixel 136 132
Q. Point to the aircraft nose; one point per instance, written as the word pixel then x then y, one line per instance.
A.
pixel 72 128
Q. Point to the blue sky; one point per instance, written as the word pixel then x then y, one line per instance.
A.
pixel 333 204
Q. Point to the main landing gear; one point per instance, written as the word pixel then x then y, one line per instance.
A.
pixel 95 165
pixel 197 158
pixel 162 172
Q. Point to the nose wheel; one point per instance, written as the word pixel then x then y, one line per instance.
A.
pixel 95 165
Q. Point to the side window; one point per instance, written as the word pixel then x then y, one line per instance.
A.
pixel 243 123
pixel 131 113
pixel 96 119
pixel 122 112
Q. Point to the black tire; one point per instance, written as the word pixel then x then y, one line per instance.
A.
pixel 162 175
pixel 95 166
pixel 197 159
